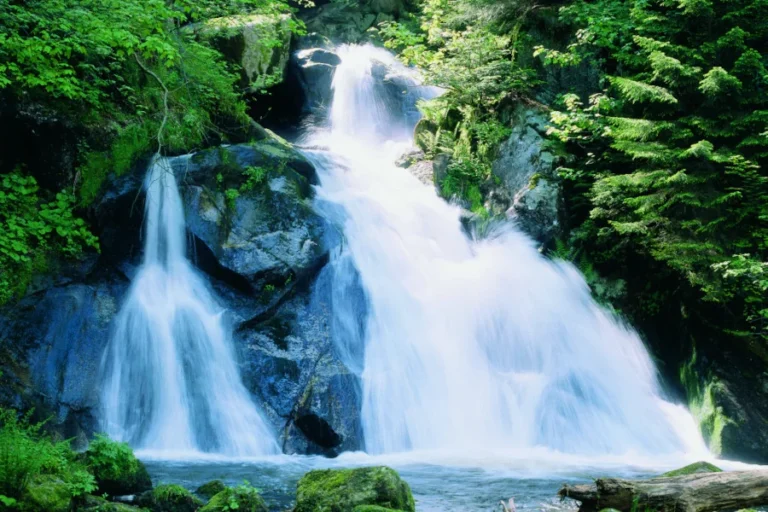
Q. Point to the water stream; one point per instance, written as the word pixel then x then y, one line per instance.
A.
pixel 471 345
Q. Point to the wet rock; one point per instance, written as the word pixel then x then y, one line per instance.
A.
pixel 52 343
pixel 258 43
pixel 315 69
pixel 529 186
pixel 291 363
pixel 345 490
pixel 417 164
pixel 169 498
pixel 209 489
pixel 246 499
pixel 116 469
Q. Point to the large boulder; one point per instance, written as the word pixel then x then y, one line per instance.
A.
pixel 169 498
pixel 346 490
pixel 315 68
pixel 258 43
pixel 116 469
pixel 529 187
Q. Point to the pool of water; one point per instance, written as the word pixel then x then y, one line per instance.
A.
pixel 439 483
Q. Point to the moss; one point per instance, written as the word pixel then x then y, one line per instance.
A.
pixel 696 467
pixel 48 493
pixel 702 402
pixel 242 498
pixel 97 504
pixel 211 488
pixel 374 508
pixel 116 468
pixel 343 490
pixel 169 498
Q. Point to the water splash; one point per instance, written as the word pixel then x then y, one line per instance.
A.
pixel 171 382
pixel 470 346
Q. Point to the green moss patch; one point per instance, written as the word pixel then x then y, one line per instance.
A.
pixel 345 490
pixel 692 469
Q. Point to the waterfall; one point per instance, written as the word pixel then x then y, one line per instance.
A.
pixel 468 345
pixel 170 379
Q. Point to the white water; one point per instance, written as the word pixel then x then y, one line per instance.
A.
pixel 171 383
pixel 471 347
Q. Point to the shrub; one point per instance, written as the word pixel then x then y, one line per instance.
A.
pixel 27 453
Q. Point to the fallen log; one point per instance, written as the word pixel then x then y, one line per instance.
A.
pixel 701 492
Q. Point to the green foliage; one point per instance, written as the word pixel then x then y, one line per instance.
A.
pixel 115 467
pixel 669 162
pixel 26 453
pixel 33 229
pixel 243 498
pixel 123 72
pixel 468 48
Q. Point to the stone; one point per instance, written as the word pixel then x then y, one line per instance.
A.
pixel 343 490
pixel 116 469
pixel 258 43
pixel 246 498
pixel 315 70
pixel 209 489
pixel 528 188
pixel 99 504
pixel 169 498
pixel 48 493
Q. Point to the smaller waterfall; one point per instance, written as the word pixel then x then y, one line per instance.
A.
pixel 170 379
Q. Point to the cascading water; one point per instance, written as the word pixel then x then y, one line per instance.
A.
pixel 468 345
pixel 171 382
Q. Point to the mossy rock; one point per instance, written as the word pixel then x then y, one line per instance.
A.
pixel 374 508
pixel 245 497
pixel 691 469
pixel 48 493
pixel 98 504
pixel 210 489
pixel 169 498
pixel 117 470
pixel 346 490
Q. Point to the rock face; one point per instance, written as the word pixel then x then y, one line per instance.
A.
pixel 259 44
pixel 345 490
pixel 529 185
pixel 315 68
pixel 349 22
pixel 254 232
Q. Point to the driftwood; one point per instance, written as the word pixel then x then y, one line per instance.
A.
pixel 702 492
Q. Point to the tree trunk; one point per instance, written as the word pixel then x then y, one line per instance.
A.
pixel 702 492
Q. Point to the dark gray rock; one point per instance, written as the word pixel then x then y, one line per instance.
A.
pixel 315 68
pixel 291 363
pixel 53 341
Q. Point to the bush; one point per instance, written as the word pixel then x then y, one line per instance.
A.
pixel 30 458
pixel 116 468
pixel 243 498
